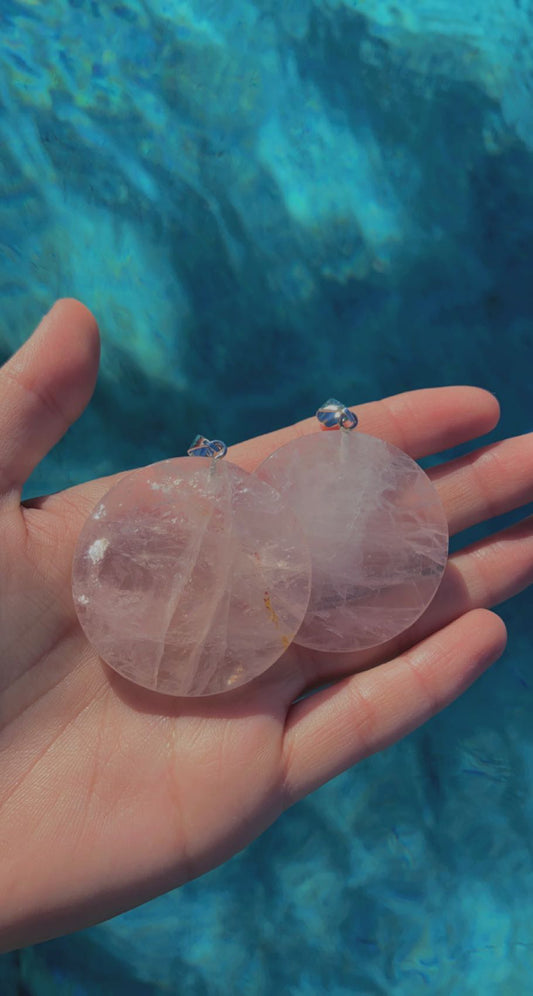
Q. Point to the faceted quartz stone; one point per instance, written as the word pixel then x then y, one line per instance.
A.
pixel 377 532
pixel 191 577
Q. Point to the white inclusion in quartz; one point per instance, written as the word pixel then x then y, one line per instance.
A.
pixel 166 487
pixel 97 549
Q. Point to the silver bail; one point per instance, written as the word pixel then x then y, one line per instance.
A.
pixel 333 414
pixel 201 446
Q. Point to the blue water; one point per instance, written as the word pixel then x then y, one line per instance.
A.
pixel 266 203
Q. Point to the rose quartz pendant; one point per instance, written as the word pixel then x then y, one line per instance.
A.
pixel 376 528
pixel 191 577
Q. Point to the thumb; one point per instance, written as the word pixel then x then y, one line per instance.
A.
pixel 44 388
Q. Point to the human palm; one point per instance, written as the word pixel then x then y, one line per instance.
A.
pixel 110 794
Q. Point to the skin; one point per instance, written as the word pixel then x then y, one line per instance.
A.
pixel 110 794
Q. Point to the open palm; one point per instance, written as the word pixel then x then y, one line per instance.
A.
pixel 110 794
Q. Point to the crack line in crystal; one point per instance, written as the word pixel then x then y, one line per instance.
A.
pixel 173 602
pixel 214 604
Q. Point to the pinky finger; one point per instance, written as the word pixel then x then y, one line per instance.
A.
pixel 335 728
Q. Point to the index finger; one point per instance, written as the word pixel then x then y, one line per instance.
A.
pixel 420 423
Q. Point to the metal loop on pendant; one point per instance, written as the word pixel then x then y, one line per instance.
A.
pixel 203 447
pixel 333 414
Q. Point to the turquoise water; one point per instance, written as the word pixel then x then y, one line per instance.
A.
pixel 265 204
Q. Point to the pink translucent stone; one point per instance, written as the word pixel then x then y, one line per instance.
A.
pixel 377 532
pixel 191 578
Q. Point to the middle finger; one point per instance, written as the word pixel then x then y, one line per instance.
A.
pixel 488 482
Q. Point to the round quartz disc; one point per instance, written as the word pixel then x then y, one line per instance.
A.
pixel 190 577
pixel 377 532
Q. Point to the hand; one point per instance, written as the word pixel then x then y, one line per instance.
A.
pixel 111 795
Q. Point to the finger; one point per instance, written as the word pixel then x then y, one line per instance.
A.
pixel 45 387
pixel 482 575
pixel 493 480
pixel 335 728
pixel 422 422
pixel 418 422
